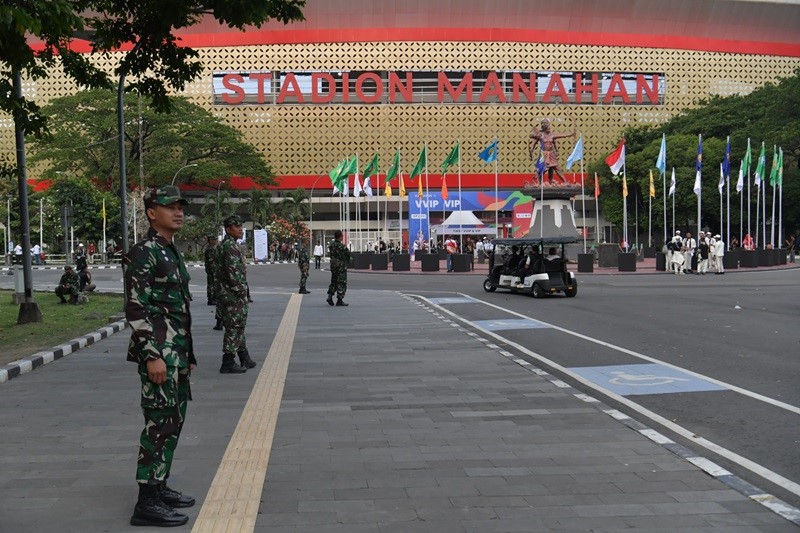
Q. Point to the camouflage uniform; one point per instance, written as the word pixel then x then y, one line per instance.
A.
pixel 232 292
pixel 302 263
pixel 340 257
pixel 210 256
pixel 68 284
pixel 157 309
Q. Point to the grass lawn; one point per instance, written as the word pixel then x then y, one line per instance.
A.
pixel 60 323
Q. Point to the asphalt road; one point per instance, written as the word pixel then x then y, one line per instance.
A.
pixel 739 331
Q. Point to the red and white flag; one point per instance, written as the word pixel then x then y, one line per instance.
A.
pixel 617 158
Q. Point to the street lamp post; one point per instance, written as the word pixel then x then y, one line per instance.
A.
pixel 179 170
pixel 311 212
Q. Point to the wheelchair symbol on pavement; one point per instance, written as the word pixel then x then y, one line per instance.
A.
pixel 643 380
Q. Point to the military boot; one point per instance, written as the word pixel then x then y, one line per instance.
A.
pixel 218 326
pixel 341 303
pixel 245 360
pixel 173 498
pixel 330 299
pixel 229 365
pixel 150 510
pixel 304 291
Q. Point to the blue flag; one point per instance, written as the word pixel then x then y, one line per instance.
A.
pixel 726 162
pixel 577 153
pixel 661 162
pixel 540 166
pixel 699 162
pixel 489 154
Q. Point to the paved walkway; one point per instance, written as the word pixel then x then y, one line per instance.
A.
pixel 379 417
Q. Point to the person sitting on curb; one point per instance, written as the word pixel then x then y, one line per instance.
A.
pixel 85 277
pixel 68 284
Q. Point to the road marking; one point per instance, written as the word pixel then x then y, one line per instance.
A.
pixel 744 462
pixel 503 324
pixel 631 380
pixel 459 300
pixel 234 497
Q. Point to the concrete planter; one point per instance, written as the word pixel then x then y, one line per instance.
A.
pixel 401 262
pixel 586 262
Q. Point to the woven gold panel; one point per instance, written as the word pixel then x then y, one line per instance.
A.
pixel 311 139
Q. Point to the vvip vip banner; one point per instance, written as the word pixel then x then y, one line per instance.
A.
pixel 432 202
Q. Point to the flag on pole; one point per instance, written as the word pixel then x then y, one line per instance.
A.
pixel 617 158
pixel 419 188
pixel 748 158
pixel 761 166
pixel 335 173
pixel 422 160
pixel 540 166
pixel 452 158
pixel 402 188
pixel 740 181
pixel 577 153
pixel 103 210
pixel 368 187
pixel 721 184
pixel 780 168
pixel 661 162
pixel 672 183
pixel 372 168
pixel 698 165
pixel 596 186
pixel 392 173
pixel 624 186
pixel 387 192
pixel 726 161
pixel 773 175
pixel 489 154
pixel 652 185
pixel 357 189
pixel 444 188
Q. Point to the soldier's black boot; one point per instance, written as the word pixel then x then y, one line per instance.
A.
pixel 218 327
pixel 73 300
pixel 229 365
pixel 304 291
pixel 245 360
pixel 173 498
pixel 151 511
pixel 330 299
pixel 341 303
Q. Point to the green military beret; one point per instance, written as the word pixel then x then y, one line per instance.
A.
pixel 233 220
pixel 164 195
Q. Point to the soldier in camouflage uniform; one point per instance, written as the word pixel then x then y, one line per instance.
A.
pixel 302 264
pixel 157 309
pixel 340 256
pixel 210 256
pixel 232 298
pixel 68 284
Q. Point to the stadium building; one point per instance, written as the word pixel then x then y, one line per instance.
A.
pixel 366 77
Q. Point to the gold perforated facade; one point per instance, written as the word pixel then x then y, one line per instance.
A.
pixel 311 139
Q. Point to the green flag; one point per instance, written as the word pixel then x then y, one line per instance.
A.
pixel 780 168
pixel 773 175
pixel 392 174
pixel 350 168
pixel 760 167
pixel 372 167
pixel 452 159
pixel 748 158
pixel 421 162
pixel 334 173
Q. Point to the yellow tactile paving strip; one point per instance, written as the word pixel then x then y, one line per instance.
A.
pixel 232 502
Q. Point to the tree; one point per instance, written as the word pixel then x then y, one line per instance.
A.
pixel 294 206
pixel 154 62
pixel 259 206
pixel 84 127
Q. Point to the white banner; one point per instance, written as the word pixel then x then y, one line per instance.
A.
pixel 260 245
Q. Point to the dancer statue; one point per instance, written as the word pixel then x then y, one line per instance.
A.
pixel 547 139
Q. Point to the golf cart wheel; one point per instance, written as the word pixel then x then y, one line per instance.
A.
pixel 572 291
pixel 537 291
pixel 487 285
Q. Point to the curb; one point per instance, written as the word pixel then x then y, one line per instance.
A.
pixel 32 362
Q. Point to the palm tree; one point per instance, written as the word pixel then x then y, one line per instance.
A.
pixel 295 205
pixel 259 206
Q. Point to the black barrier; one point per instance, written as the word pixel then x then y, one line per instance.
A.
pixel 418 255
pixel 430 262
pixel 401 262
pixel 765 258
pixel 748 258
pixel 649 252
pixel 608 256
pixel 661 262
pixel 730 261
pixel 780 256
pixel 586 262
pixel 462 262
pixel 626 262
pixel 361 260
pixel 380 262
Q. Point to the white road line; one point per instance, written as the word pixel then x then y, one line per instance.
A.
pixel 744 462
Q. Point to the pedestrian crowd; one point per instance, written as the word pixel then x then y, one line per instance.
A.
pixel 687 255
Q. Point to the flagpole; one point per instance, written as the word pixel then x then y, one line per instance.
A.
pixel 625 208
pixel 749 197
pixel 597 208
pixel 460 218
pixel 650 216
pixel 664 191
pixel 699 182
pixel 496 199
pixel 105 243
pixel 772 225
pixel 728 208
pixel 673 201
pixel 583 199
pixel 780 196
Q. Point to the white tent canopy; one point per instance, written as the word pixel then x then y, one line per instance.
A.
pixel 464 223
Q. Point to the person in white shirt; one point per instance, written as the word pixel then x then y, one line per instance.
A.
pixel 689 244
pixel 36 254
pixel 319 251
pixel 719 253
pixel 676 255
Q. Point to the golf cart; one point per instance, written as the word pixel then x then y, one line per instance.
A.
pixel 520 265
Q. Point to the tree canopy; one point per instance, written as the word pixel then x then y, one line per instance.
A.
pixel 84 132
pixel 770 114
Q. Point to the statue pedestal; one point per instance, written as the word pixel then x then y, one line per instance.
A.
pixel 553 217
